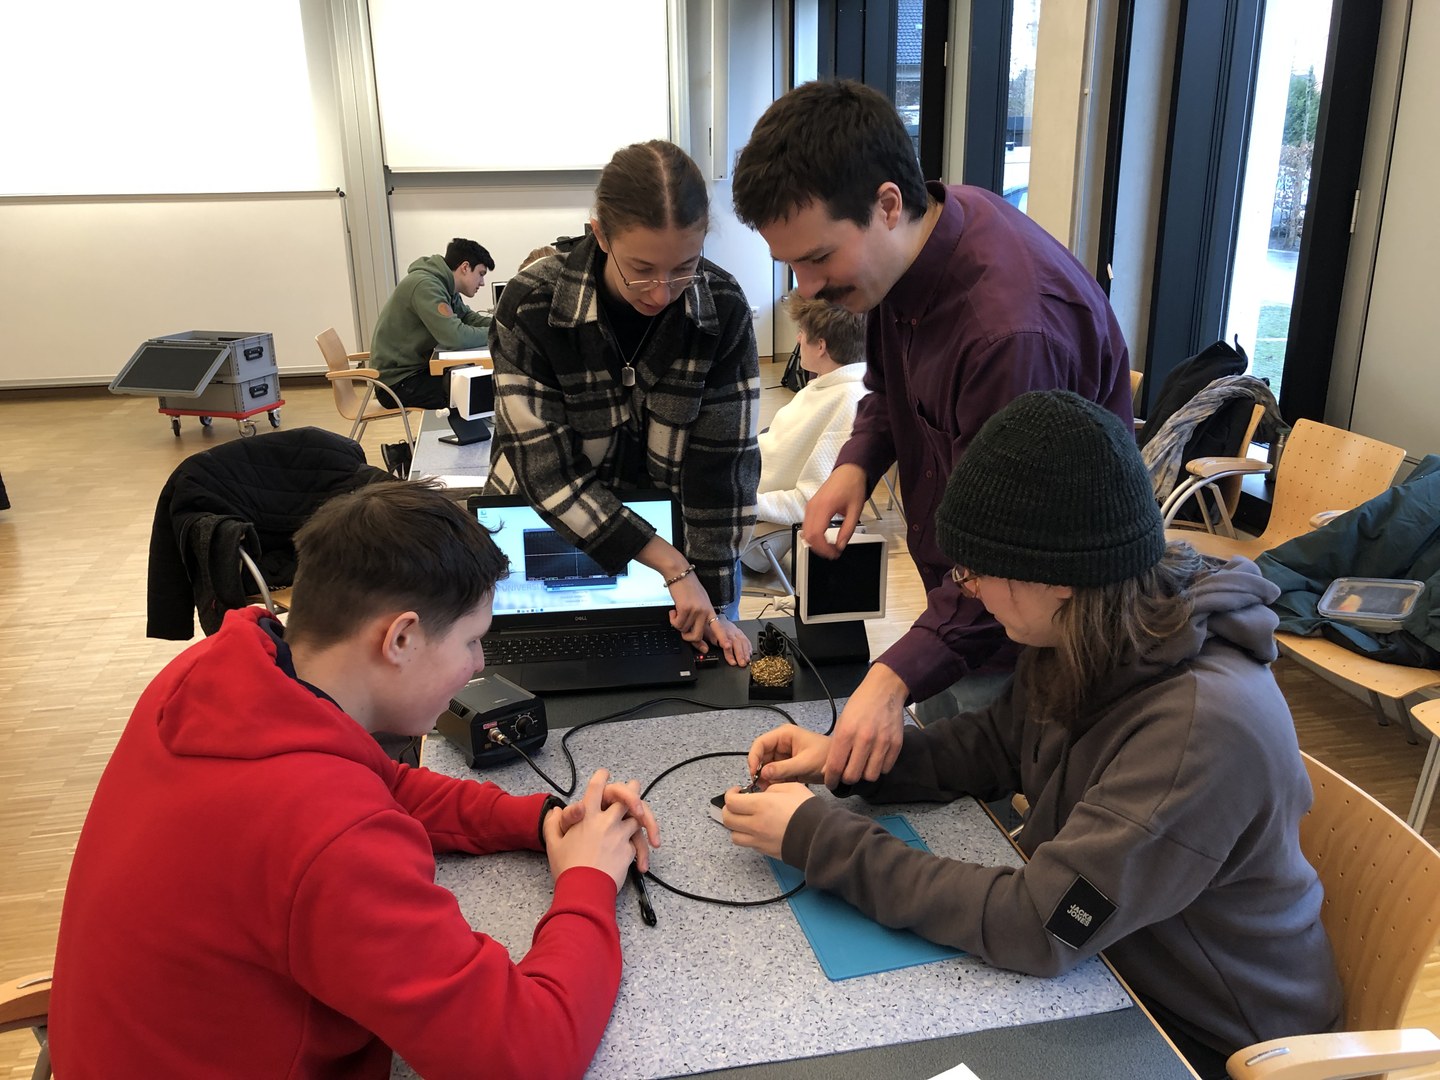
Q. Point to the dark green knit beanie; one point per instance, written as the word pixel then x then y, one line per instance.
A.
pixel 1052 490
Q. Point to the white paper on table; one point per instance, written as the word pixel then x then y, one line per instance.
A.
pixel 959 1072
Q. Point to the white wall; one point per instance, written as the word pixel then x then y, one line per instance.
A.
pixel 85 278
pixel 101 246
pixel 1141 168
pixel 749 90
pixel 488 86
pixel 1397 382
pixel 84 281
pixel 509 217
pixel 1060 114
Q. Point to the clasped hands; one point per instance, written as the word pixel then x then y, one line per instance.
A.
pixel 608 827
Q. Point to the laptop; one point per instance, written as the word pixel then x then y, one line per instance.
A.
pixel 563 623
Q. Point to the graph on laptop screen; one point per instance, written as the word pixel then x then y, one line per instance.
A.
pixel 550 575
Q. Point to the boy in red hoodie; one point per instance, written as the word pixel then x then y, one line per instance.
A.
pixel 253 891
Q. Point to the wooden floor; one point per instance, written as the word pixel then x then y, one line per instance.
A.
pixel 83 471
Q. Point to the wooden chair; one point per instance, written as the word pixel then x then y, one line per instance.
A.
pixel 1382 915
pixel 1427 715
pixel 1380 682
pixel 25 1003
pixel 1206 478
pixel 276 600
pixel 360 396
pixel 1324 468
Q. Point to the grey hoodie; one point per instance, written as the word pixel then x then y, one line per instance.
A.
pixel 1163 829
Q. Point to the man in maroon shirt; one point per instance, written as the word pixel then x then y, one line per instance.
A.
pixel 970 305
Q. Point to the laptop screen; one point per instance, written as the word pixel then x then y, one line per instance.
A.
pixel 549 576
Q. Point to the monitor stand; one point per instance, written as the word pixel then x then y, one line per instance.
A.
pixel 832 643
pixel 466 431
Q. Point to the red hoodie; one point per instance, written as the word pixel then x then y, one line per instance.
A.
pixel 253 895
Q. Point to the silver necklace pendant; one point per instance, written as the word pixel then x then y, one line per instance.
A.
pixel 627 376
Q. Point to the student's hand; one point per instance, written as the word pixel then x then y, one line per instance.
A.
pixel 759 821
pixel 602 838
pixel 628 796
pixel 693 611
pixel 868 734
pixel 841 495
pixel 789 752
pixel 729 638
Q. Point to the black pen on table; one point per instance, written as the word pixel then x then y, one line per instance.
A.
pixel 647 912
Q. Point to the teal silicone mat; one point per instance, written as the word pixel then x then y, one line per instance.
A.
pixel 848 943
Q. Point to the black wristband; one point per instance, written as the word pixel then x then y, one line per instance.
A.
pixel 551 802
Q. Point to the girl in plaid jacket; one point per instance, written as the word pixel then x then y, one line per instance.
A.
pixel 628 361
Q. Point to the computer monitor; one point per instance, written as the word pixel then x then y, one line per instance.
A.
pixel 472 403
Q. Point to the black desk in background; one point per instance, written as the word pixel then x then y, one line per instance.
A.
pixel 717 685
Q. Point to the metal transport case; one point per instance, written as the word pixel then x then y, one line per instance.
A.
pixel 206 373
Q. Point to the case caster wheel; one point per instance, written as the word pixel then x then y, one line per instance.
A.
pixel 175 425
pixel 206 421
pixel 274 415
pixel 247 428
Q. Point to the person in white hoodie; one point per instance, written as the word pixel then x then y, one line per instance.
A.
pixel 798 449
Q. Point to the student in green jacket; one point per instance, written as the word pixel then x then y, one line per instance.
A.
pixel 426 310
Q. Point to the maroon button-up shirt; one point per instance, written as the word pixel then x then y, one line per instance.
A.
pixel 992 307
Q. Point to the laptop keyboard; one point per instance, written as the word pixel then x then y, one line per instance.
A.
pixel 581 645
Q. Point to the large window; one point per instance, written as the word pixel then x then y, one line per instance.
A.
pixel 1284 119
pixel 896 46
pixel 1266 128
pixel 1020 103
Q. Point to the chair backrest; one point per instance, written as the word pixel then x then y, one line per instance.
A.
pixel 1382 897
pixel 1230 486
pixel 347 400
pixel 1326 468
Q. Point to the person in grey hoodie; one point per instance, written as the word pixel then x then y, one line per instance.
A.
pixel 426 310
pixel 1143 725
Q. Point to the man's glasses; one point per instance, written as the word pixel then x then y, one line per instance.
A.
pixel 966 579
pixel 644 285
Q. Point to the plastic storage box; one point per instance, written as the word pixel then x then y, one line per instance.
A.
pixel 1371 603
pixel 222 396
pixel 207 373
pixel 252 354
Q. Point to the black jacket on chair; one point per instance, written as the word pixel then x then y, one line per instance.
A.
pixel 252 493
pixel 1219 434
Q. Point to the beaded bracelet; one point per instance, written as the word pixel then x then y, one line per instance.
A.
pixel 680 576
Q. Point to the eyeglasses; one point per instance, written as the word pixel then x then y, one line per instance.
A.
pixel 967 580
pixel 674 284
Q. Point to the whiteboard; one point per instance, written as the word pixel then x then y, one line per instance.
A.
pixel 165 96
pixel 84 281
pixel 513 86
pixel 1399 378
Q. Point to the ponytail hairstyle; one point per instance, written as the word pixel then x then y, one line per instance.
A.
pixel 651 185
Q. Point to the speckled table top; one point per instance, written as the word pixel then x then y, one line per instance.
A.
pixel 712 987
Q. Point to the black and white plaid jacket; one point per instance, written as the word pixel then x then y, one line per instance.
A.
pixel 568 435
